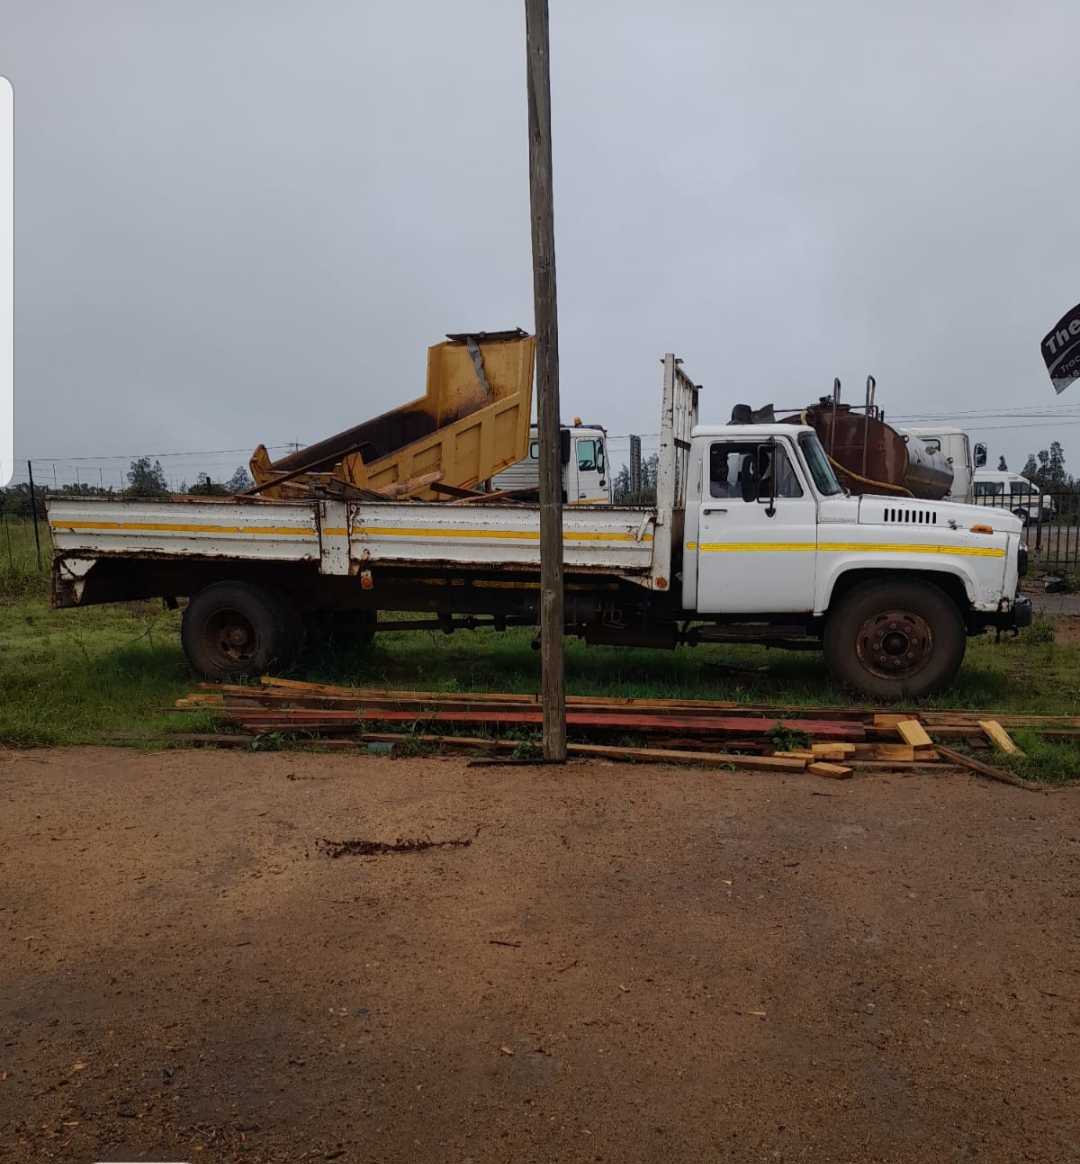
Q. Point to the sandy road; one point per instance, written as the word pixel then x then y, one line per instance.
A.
pixel 625 964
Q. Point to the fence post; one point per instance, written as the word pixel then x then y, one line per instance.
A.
pixel 33 510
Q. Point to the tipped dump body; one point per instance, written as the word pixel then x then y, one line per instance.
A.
pixel 471 423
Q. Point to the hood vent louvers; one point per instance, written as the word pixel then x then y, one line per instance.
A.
pixel 897 516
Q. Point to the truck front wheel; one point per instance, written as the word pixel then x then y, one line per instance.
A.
pixel 891 640
pixel 232 629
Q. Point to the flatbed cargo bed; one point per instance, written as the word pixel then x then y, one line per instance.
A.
pixel 343 538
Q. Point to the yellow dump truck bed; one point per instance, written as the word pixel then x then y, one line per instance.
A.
pixel 472 423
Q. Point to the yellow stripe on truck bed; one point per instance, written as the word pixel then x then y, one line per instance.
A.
pixel 176 527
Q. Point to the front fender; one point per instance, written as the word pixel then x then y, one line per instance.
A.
pixel 830 573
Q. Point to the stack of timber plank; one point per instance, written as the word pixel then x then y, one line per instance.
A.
pixel 832 742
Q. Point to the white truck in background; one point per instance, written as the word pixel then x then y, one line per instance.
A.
pixel 955 445
pixel 586 474
pixel 751 540
pixel 975 484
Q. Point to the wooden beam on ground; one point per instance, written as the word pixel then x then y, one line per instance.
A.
pixel 1000 774
pixel 670 756
pixel 605 752
pixel 999 737
pixel 304 718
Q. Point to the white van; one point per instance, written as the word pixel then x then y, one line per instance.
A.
pixel 1010 491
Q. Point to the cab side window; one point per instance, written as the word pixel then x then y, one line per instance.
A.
pixel 588 456
pixel 731 463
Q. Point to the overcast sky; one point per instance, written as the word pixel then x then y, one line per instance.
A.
pixel 245 221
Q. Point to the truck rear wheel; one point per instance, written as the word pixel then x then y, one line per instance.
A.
pixel 889 640
pixel 232 629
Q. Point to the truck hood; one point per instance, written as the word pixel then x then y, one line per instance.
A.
pixel 875 509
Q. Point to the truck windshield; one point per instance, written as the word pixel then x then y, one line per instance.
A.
pixel 820 469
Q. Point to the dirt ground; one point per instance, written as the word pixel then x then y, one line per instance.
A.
pixel 624 963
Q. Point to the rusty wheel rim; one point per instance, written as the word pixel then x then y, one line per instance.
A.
pixel 231 636
pixel 895 644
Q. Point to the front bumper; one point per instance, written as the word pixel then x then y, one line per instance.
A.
pixel 1014 618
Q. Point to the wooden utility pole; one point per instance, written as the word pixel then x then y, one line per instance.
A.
pixel 541 202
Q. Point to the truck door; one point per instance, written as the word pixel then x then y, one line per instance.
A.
pixel 748 559
pixel 590 462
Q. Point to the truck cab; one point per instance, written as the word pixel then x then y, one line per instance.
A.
pixel 586 477
pixel 893 585
pixel 955 445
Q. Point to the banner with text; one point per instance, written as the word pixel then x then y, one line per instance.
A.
pixel 1061 350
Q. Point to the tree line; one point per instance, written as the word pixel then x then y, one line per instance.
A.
pixel 145 478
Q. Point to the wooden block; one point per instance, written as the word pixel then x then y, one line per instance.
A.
pixel 832 771
pixel 834 751
pixel 999 737
pixel 796 753
pixel 913 733
pixel 888 719
pixel 894 752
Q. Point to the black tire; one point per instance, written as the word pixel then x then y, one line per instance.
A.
pixel 894 640
pixel 235 629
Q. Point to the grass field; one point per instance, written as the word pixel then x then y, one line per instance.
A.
pixel 94 675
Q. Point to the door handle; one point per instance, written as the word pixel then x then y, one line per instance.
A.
pixel 713 509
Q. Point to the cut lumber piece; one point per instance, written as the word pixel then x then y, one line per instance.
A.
pixel 893 752
pixel 670 756
pixel 797 753
pixel 889 719
pixel 837 750
pixel 606 752
pixel 899 766
pixel 912 732
pixel 413 485
pixel 318 718
pixel 999 737
pixel 989 770
pixel 828 754
pixel 832 771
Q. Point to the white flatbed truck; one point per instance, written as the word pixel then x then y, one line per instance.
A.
pixel 751 540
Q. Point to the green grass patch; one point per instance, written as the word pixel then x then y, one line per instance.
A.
pixel 19 573
pixel 1046 761
pixel 85 676
pixel 94 675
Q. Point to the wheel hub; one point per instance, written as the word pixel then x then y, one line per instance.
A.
pixel 895 643
pixel 231 635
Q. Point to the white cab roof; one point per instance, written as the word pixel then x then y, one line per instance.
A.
pixel 745 431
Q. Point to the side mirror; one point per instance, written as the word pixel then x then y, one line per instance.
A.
pixel 564 445
pixel 980 455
